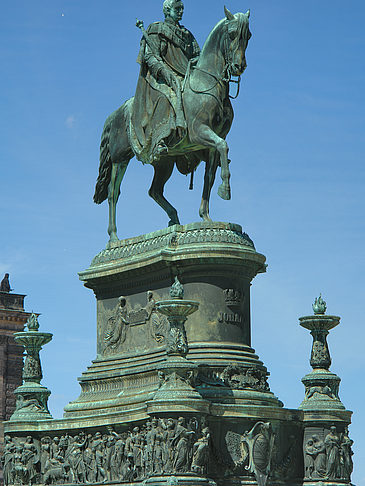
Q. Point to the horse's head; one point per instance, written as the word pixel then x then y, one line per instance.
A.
pixel 235 40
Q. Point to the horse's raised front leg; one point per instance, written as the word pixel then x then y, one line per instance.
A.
pixel 163 171
pixel 205 136
pixel 117 174
pixel 209 176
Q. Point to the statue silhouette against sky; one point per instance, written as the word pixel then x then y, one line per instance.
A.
pixel 181 112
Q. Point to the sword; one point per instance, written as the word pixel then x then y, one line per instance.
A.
pixel 176 86
pixel 151 44
pixel 155 52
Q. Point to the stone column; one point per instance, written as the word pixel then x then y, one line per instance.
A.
pixel 326 447
pixel 31 396
pixel 177 375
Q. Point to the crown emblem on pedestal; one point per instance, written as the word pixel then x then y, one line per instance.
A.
pixel 232 297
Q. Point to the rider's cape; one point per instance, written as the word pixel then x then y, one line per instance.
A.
pixel 158 120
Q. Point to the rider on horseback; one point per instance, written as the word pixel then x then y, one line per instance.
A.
pixel 179 117
pixel 158 119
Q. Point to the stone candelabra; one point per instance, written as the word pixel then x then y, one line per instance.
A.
pixel 177 374
pixel 177 311
pixel 321 385
pixel 31 396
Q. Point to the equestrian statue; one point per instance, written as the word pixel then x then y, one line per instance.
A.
pixel 181 112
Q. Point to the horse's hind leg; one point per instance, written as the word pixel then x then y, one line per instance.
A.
pixel 118 171
pixel 209 177
pixel 163 171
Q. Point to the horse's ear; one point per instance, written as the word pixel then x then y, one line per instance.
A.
pixel 229 15
pixel 248 13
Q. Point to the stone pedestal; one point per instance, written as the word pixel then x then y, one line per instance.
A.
pixel 216 263
pixel 32 396
pixel 176 394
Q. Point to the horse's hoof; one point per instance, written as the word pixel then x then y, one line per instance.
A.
pixel 206 218
pixel 113 238
pixel 172 223
pixel 224 192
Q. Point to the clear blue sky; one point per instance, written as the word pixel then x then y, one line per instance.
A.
pixel 297 150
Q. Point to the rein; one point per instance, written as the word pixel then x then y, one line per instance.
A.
pixel 228 59
pixel 238 82
pixel 219 79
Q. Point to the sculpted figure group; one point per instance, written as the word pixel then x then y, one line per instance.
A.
pixel 19 461
pixel 330 458
pixel 160 446
pixel 119 324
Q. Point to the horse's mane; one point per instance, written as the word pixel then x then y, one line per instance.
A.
pixel 238 16
pixel 212 33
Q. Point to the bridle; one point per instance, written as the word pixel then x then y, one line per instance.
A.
pixel 228 56
pixel 226 76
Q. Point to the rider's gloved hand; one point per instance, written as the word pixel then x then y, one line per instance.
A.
pixel 168 77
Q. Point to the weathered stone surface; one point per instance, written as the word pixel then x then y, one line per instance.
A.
pixel 12 320
pixel 327 449
pixel 209 375
pixel 161 450
pixel 216 263
pixel 31 396
pixel 176 394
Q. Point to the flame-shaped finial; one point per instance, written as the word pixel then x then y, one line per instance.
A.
pixel 319 306
pixel 32 322
pixel 177 290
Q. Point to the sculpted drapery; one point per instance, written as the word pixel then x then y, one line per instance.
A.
pixel 158 119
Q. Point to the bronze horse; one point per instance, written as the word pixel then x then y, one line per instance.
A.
pixel 209 116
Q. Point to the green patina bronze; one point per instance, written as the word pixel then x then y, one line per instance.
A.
pixel 181 112
pixel 176 394
pixel 319 307
pixel 326 445
pixel 31 396
pixel 321 385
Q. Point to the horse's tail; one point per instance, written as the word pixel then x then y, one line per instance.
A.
pixel 105 167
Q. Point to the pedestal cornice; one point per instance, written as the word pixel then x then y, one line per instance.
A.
pixel 196 243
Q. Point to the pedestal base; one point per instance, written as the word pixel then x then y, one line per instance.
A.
pixel 141 409
pixel 321 391
pixel 177 393
pixel 31 403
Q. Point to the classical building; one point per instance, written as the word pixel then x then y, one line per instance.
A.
pixel 12 319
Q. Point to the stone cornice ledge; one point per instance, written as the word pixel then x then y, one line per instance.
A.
pixel 192 238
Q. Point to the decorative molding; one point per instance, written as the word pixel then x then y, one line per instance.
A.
pixel 240 378
pixel 177 238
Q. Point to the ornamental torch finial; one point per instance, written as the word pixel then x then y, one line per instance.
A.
pixel 319 306
pixel 177 290
pixel 32 322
